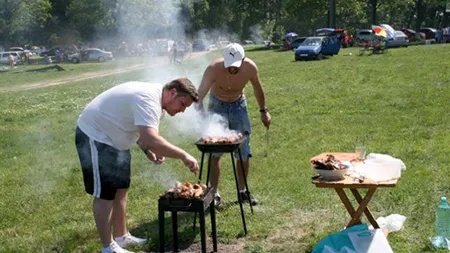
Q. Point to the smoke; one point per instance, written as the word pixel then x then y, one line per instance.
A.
pixel 194 124
pixel 256 34
pixel 160 175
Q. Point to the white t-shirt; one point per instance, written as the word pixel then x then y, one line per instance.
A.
pixel 113 116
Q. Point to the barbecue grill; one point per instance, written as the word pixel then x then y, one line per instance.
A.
pixel 197 205
pixel 225 148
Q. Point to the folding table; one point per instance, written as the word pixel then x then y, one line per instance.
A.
pixel 354 185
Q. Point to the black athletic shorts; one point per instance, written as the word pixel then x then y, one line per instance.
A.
pixel 105 168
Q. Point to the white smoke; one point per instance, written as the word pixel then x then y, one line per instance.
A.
pixel 194 124
pixel 256 33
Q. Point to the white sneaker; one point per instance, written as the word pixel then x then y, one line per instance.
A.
pixel 114 248
pixel 128 239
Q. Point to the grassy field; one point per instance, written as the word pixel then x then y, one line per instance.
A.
pixel 394 104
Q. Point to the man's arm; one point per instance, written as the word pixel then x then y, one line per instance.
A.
pixel 257 86
pixel 259 95
pixel 205 85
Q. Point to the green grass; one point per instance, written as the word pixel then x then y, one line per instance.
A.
pixel 394 103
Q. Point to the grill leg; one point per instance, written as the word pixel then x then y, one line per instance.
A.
pixel 209 169
pixel 175 231
pixel 212 212
pixel 245 178
pixel 238 195
pixel 202 229
pixel 161 230
pixel 199 181
pixel 201 168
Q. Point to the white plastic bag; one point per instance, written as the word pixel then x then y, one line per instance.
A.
pixel 387 158
pixel 370 241
pixel 391 223
pixel 379 167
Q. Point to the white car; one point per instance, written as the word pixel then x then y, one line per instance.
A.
pixel 4 57
pixel 400 40
pixel 90 54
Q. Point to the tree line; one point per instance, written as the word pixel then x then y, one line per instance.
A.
pixel 51 22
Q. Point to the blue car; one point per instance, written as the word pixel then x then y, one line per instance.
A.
pixel 318 47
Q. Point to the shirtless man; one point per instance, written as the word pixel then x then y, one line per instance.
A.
pixel 226 78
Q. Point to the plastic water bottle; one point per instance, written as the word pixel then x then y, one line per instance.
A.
pixel 443 219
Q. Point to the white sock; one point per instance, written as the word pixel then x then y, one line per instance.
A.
pixel 121 238
pixel 243 191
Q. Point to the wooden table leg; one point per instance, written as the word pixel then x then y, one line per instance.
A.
pixel 346 201
pixel 362 206
pixel 367 211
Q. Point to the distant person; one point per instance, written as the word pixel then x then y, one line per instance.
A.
pixel 174 54
pixel 107 128
pixel 57 55
pixel 26 57
pixel 11 60
pixel 225 78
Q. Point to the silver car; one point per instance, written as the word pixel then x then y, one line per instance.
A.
pixel 4 57
pixel 90 54
pixel 400 40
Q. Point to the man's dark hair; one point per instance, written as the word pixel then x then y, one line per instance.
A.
pixel 184 87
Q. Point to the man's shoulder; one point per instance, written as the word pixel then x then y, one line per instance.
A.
pixel 249 61
pixel 217 63
pixel 249 64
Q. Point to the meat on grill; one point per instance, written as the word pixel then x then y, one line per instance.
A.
pixel 330 163
pixel 222 139
pixel 185 191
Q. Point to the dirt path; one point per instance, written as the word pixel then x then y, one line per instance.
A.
pixel 158 61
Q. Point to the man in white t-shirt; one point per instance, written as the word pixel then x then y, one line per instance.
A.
pixel 107 128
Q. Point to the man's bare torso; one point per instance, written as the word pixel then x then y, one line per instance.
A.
pixel 228 87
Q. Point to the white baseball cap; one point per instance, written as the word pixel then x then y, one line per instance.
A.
pixel 233 55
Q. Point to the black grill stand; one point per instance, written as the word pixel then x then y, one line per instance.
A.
pixel 197 206
pixel 235 179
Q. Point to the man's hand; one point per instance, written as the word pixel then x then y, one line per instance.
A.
pixel 266 119
pixel 200 108
pixel 191 163
pixel 154 158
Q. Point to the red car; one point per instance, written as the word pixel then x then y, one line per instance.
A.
pixel 412 34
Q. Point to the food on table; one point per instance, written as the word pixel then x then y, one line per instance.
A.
pixel 185 191
pixel 222 139
pixel 330 163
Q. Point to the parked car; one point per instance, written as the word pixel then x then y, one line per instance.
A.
pixel 4 57
pixel 222 44
pixel 400 40
pixel 412 35
pixel 297 42
pixel 62 49
pixel 18 49
pixel 364 35
pixel 90 54
pixel 248 42
pixel 430 33
pixel 200 45
pixel 344 36
pixel 317 48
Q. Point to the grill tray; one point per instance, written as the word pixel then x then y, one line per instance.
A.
pixel 186 205
pixel 219 147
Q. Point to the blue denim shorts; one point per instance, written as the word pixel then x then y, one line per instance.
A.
pixel 237 116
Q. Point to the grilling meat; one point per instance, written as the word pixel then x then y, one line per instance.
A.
pixel 222 139
pixel 330 163
pixel 185 191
